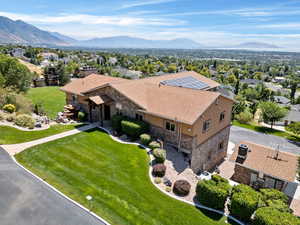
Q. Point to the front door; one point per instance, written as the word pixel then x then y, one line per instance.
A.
pixel 106 112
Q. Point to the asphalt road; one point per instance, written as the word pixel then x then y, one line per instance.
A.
pixel 25 200
pixel 238 134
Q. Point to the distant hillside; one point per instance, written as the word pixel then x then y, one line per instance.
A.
pixel 64 37
pixel 257 45
pixel 19 32
pixel 132 42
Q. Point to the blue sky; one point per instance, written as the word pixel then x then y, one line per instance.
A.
pixel 211 23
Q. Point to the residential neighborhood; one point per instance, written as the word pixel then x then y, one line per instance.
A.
pixel 149 112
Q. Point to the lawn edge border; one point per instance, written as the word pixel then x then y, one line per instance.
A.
pixel 60 193
pixel 163 191
pixel 197 205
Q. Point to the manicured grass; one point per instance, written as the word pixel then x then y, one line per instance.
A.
pixel 268 130
pixel 10 135
pixel 115 175
pixel 51 98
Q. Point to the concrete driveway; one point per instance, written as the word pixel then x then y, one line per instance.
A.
pixel 238 134
pixel 26 201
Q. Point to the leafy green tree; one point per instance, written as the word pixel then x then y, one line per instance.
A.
pixel 14 73
pixel 272 112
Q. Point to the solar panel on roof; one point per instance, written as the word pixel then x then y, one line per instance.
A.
pixel 186 82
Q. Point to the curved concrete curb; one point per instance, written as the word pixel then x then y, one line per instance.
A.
pixel 165 192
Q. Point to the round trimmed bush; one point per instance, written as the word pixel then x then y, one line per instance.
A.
pixel 157 180
pixel 25 120
pixel 244 201
pixel 159 170
pixel 10 108
pixel 271 216
pixel 273 194
pixel 11 118
pixel 81 116
pixel 145 139
pixel 213 193
pixel 181 188
pixel 159 155
pixel 154 145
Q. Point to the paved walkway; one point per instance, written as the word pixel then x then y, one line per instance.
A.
pixel 16 148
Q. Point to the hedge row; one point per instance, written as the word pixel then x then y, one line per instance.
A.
pixel 129 126
pixel 213 193
pixel 244 201
pixel 271 216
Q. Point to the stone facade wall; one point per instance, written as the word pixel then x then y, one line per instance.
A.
pixel 242 174
pixel 169 137
pixel 208 155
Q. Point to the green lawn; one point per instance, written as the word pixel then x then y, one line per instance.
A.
pixel 116 175
pixel 268 130
pixel 52 99
pixel 10 135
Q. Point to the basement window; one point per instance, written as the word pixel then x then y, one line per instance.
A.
pixel 170 126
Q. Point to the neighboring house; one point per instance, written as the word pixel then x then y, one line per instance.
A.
pixel 132 74
pixel 293 116
pixel 251 82
pixel 87 70
pixel 263 167
pixel 18 52
pixel 184 110
pixel 279 79
pixel 49 56
pixel 282 100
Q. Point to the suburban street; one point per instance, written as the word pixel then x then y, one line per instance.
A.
pixel 238 134
pixel 27 201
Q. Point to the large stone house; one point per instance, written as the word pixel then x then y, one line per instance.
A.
pixel 185 110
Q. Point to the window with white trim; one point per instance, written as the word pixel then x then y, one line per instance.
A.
pixel 170 126
pixel 222 116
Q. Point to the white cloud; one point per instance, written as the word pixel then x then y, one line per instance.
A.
pixel 144 3
pixel 285 26
pixel 120 20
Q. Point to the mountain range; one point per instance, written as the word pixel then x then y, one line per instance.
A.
pixel 19 32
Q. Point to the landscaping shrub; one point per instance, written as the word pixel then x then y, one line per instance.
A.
pixel 81 116
pixel 244 201
pixel 271 216
pixel 145 139
pixel 2 116
pixel 279 205
pixel 11 117
pixel 10 108
pixel 154 144
pixel 217 178
pixel 181 188
pixel 116 122
pixel 159 170
pixel 134 128
pixel 157 180
pixel 213 193
pixel 159 155
pixel 273 194
pixel 24 120
pixel 244 117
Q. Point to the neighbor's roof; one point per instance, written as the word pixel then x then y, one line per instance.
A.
pixel 293 116
pixel 79 86
pixel 262 158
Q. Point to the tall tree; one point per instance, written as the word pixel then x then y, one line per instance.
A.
pixel 272 112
